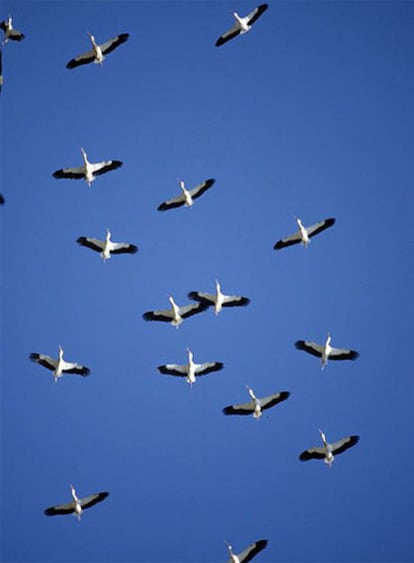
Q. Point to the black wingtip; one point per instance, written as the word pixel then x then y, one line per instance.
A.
pixel 300 344
pixel 353 355
pixel 228 410
pixel 278 245
pixel 34 357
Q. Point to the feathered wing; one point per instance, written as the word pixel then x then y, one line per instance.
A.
pixel 256 13
pixel 103 167
pixel 343 354
pixel 172 203
pixel 229 34
pixel 344 444
pixel 313 453
pixel 241 409
pixel 319 227
pixel 235 301
pixel 201 188
pixel 251 551
pixel 207 298
pixel 123 248
pixel 43 360
pixel 288 241
pixel 113 43
pixel 74 173
pixel 60 509
pixel 93 243
pixel 272 400
pixel 91 500
pixel 166 315
pixel 192 309
pixel 310 347
pixel 174 369
pixel 76 369
pixel 83 59
pixel 208 367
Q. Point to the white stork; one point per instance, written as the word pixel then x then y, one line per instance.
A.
pixel 242 25
pixel 176 314
pixel 88 171
pixel 304 234
pixel 59 366
pixel 247 554
pixel 10 32
pixel 256 405
pixel 219 299
pixel 191 370
pixel 98 52
pixel 78 505
pixel 188 196
pixel 326 352
pixel 107 247
pixel 328 450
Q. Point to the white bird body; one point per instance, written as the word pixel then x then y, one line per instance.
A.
pixel 327 451
pixel 107 247
pixel 176 314
pixel 187 197
pixel 10 32
pixel 304 234
pixel 242 24
pixel 326 352
pixel 191 370
pixel 88 171
pixel 219 300
pixel 247 554
pixel 59 366
pixel 256 405
pixel 97 53
pixel 77 506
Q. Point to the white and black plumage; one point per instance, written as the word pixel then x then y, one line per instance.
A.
pixel 326 352
pixel 328 451
pixel 176 314
pixel 188 196
pixel 247 554
pixel 78 505
pixel 304 234
pixel 88 171
pixel 242 25
pixel 256 405
pixel 59 366
pixel 9 32
pixel 191 370
pixel 98 52
pixel 219 300
pixel 107 247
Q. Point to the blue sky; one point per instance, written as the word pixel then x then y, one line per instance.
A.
pixel 309 115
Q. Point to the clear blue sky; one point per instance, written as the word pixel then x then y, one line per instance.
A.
pixel 309 115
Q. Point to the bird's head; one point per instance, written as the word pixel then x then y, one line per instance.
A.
pixel 85 156
pixel 229 547
pixel 91 37
pixel 108 233
pixel 322 435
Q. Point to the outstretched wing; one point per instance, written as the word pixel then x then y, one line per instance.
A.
pixel 319 227
pixel 166 315
pixel 91 500
pixel 312 453
pixel 241 408
pixel 60 509
pixel 343 354
pixel 310 347
pixel 207 298
pixel 344 444
pixel 123 248
pixel 74 173
pixel 208 367
pixel 235 301
pixel 95 244
pixel 192 309
pixel 106 166
pixel 288 241
pixel 174 369
pixel 272 400
pixel 201 188
pixel 43 360
pixel 172 203
pixel 256 13
pixel 83 59
pixel 113 43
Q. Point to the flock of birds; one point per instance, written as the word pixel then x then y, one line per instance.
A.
pixel 201 301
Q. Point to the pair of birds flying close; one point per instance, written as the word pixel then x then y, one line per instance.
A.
pixel 177 314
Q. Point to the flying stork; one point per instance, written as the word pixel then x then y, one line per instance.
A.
pixel 188 196
pixel 328 450
pixel 107 247
pixel 191 370
pixel 78 505
pixel 219 299
pixel 247 554
pixel 176 314
pixel 59 366
pixel 242 25
pixel 87 171
pixel 304 234
pixel 9 32
pixel 326 351
pixel 98 52
pixel 256 405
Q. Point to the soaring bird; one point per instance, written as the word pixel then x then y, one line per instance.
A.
pixel 326 351
pixel 107 247
pixel 242 25
pixel 327 451
pixel 304 234
pixel 176 314
pixel 257 405
pixel 78 505
pixel 191 370
pixel 87 171
pixel 10 33
pixel 98 52
pixel 187 197
pixel 59 366
pixel 219 299
pixel 247 554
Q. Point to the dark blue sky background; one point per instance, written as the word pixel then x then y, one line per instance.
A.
pixel 310 114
